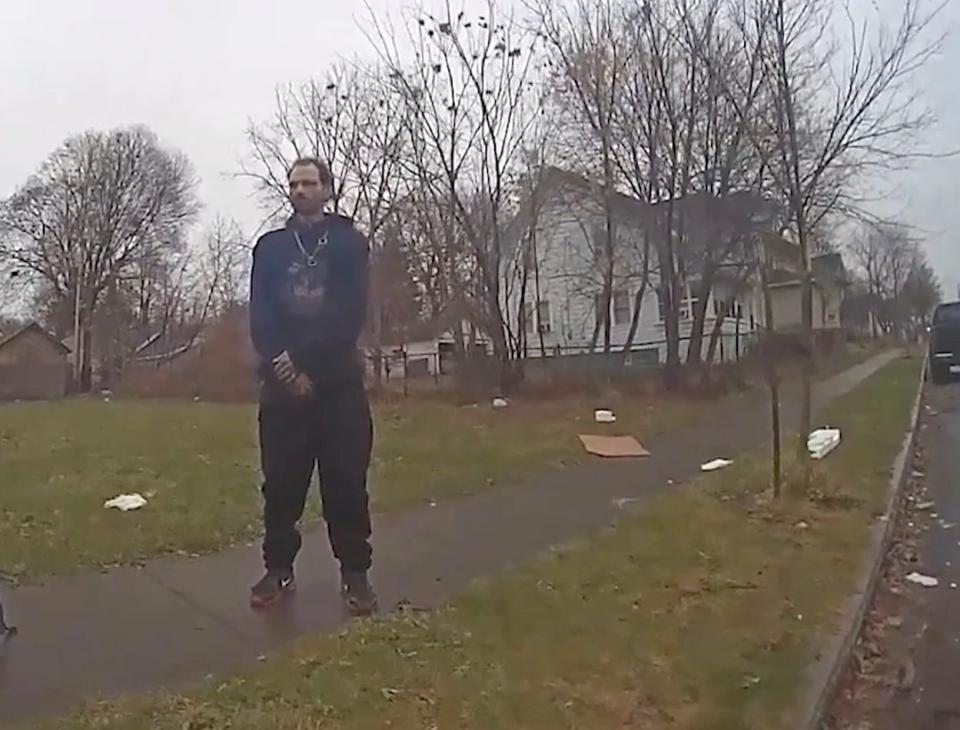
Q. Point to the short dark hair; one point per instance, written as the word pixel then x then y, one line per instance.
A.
pixel 326 177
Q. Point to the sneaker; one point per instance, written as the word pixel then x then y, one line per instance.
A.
pixel 358 596
pixel 271 588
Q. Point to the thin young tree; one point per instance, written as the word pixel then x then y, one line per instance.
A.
pixel 590 61
pixel 843 108
pixel 471 96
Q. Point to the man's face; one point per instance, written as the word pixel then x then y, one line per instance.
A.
pixel 307 193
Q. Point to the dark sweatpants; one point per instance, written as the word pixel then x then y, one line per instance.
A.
pixel 333 432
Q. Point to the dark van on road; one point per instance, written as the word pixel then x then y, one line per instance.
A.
pixel 945 342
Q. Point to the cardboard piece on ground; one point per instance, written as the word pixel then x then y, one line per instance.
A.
pixel 613 447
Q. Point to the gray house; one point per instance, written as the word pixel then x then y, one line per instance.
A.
pixel 33 365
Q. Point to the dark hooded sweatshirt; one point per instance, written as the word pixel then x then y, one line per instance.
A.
pixel 312 306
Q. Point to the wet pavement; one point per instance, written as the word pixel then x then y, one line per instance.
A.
pixel 908 660
pixel 934 700
pixel 175 621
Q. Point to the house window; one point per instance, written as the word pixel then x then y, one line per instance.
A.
pixel 621 307
pixel 598 309
pixel 729 309
pixel 543 315
pixel 528 317
pixel 685 309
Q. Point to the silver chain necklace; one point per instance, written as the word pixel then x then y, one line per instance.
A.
pixel 311 258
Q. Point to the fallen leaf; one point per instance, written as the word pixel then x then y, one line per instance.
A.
pixel 906 675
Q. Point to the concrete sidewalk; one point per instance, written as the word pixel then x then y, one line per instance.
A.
pixel 175 621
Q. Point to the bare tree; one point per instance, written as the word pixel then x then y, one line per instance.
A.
pixel 591 61
pixel 842 108
pixel 101 205
pixel 920 294
pixel 221 268
pixel 471 97
pixel 901 288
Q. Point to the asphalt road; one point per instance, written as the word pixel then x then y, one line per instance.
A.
pixel 933 702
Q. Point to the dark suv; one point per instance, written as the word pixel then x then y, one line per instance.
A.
pixel 945 342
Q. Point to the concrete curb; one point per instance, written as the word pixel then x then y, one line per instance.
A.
pixel 825 675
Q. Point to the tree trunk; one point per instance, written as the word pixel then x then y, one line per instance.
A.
pixel 609 243
pixel 695 345
pixel 715 337
pixel 638 299
pixel 668 288
pixel 537 292
pixel 806 378
pixel 774 384
pixel 634 319
pixel 773 380
pixel 376 325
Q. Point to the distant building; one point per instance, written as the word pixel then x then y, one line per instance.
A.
pixel 830 283
pixel 432 347
pixel 33 365
pixel 563 315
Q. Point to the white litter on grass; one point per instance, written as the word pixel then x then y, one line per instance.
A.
pixel 125 502
pixel 604 416
pixel 716 464
pixel 822 441
pixel 500 403
pixel 926 505
pixel 926 581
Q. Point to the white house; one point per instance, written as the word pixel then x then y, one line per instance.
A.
pixel 562 311
pixel 431 348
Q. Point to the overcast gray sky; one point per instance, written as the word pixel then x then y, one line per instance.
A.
pixel 196 70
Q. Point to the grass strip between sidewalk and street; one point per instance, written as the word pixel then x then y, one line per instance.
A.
pixel 701 611
pixel 197 465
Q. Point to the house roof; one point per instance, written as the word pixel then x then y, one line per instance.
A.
pixel 34 327
pixel 828 269
pixel 701 210
pixel 554 182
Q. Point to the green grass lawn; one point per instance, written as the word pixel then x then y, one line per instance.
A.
pixel 700 613
pixel 197 464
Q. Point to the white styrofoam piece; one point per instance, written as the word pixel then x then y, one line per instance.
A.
pixel 716 464
pixel 604 416
pixel 125 502
pixel 923 580
pixel 823 441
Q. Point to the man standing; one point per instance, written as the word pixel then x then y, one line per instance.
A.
pixel 308 296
